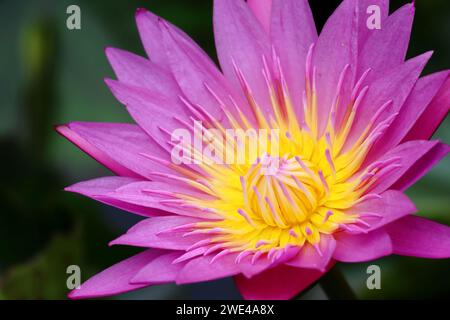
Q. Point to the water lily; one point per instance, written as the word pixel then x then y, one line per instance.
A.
pixel 353 118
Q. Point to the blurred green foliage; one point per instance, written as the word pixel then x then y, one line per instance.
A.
pixel 54 75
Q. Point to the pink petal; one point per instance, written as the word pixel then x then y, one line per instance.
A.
pixel 201 269
pixel 423 92
pixel 115 279
pixel 147 233
pixel 95 152
pixel 262 11
pixel 241 38
pixel 408 154
pixel 362 247
pixel 123 143
pixel 251 268
pixel 279 283
pixel 292 32
pixel 335 48
pixel 433 115
pixel 363 32
pixel 98 189
pixel 420 237
pixel 198 77
pixel 157 194
pixel 422 166
pixel 139 72
pixel 392 85
pixel 311 258
pixel 386 48
pixel 160 270
pixel 392 206
pixel 150 110
pixel 151 37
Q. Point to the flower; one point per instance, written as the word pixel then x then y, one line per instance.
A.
pixel 353 121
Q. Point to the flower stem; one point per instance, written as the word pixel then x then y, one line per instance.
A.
pixel 335 285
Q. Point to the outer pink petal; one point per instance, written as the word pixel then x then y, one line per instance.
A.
pixel 115 279
pixel 279 283
pixel 362 247
pixel 312 258
pixel 420 237
pixel 421 167
pixel 94 152
pixel 202 269
pixel 378 212
pixel 363 32
pixel 123 143
pixel 336 48
pixel 198 77
pixel 157 194
pixel 155 113
pixel 250 269
pixel 433 115
pixel 140 72
pixel 99 188
pixel 150 233
pixel 422 94
pixel 386 48
pixel 151 36
pixel 241 38
pixel 292 32
pixel 406 155
pixel 392 85
pixel 160 270
pixel 262 10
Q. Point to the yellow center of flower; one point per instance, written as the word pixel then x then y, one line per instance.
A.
pixel 291 197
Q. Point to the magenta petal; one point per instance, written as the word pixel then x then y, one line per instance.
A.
pixel 407 155
pixel 386 48
pixel 159 270
pixel 250 269
pixel 123 143
pixel 95 152
pixel 202 269
pixel 292 32
pixel 154 113
pixel 420 237
pixel 279 283
pixel 312 258
pixel 335 48
pixel 198 77
pixel 378 212
pixel 150 233
pixel 363 32
pixel 241 39
pixel 99 188
pixel 422 94
pixel 151 36
pixel 433 115
pixel 262 10
pixel 115 279
pixel 157 194
pixel 422 166
pixel 392 85
pixel 362 247
pixel 139 72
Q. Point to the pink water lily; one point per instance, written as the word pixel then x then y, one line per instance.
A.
pixel 354 120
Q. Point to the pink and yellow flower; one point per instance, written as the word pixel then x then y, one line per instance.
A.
pixel 353 117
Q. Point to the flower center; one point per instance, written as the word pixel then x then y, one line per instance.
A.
pixel 291 197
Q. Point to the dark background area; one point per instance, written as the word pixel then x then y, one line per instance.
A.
pixel 54 75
